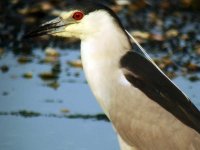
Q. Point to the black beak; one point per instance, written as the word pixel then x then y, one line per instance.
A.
pixel 51 27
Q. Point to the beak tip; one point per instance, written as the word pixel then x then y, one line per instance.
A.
pixel 29 35
pixel 32 35
pixel 44 29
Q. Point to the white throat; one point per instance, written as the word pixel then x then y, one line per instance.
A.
pixel 101 53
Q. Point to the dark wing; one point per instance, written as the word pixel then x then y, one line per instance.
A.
pixel 145 76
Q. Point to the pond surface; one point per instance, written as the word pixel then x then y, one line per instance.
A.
pixel 59 113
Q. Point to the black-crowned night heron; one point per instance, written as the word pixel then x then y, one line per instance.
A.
pixel 146 109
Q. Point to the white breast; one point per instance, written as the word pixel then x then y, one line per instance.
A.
pixel 101 53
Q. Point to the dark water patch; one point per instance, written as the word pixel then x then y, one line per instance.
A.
pixel 4 68
pixel 5 93
pixel 56 68
pixel 24 59
pixel 48 76
pixel 53 101
pixel 95 117
pixel 55 85
pixel 28 75
pixel 30 114
pixel 26 114
pixel 194 78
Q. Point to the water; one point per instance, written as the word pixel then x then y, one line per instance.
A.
pixel 52 133
pixel 51 129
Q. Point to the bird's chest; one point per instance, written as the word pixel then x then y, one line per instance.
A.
pixel 102 74
pixel 102 81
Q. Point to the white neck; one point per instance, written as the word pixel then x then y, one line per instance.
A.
pixel 101 55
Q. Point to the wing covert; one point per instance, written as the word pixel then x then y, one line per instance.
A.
pixel 145 76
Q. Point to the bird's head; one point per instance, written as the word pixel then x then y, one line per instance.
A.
pixel 79 20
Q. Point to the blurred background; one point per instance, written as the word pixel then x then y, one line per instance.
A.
pixel 45 101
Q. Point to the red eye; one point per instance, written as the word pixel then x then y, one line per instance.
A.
pixel 78 15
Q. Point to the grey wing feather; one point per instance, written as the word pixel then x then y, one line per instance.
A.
pixel 144 75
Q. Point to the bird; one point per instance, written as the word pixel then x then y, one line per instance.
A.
pixel 147 110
